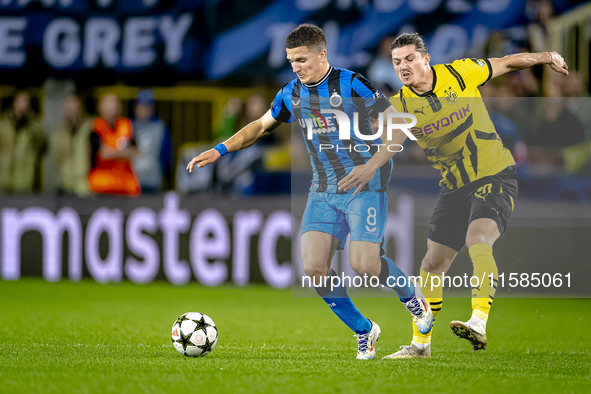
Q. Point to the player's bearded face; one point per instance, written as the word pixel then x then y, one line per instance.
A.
pixel 309 64
pixel 411 66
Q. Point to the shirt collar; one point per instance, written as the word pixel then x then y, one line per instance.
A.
pixel 312 85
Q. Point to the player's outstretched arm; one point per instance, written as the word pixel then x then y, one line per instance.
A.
pixel 244 138
pixel 520 61
pixel 361 175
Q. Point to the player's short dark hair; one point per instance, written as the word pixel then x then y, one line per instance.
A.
pixel 306 35
pixel 410 39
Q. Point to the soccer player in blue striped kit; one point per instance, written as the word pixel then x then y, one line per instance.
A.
pixel 348 192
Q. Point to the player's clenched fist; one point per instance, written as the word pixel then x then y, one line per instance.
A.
pixel 557 63
pixel 204 159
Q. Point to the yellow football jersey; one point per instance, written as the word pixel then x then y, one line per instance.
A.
pixel 453 126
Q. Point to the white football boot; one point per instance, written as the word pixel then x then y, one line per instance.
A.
pixel 473 330
pixel 366 343
pixel 420 311
pixel 411 351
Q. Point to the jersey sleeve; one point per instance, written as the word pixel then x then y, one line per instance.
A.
pixel 279 110
pixel 375 101
pixel 475 72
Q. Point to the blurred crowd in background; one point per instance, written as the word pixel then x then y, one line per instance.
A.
pixel 98 142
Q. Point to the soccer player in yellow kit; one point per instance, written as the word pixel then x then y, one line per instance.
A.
pixel 479 184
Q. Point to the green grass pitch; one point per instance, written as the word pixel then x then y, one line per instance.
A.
pixel 86 338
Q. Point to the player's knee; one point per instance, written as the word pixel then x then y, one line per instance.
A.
pixel 482 231
pixel 435 264
pixel 477 238
pixel 367 266
pixel 315 268
pixel 365 260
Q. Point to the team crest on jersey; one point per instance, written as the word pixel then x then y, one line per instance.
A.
pixel 335 100
pixel 450 96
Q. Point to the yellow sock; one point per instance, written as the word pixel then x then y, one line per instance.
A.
pixel 435 299
pixel 484 264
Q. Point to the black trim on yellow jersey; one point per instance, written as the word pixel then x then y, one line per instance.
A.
pixel 403 102
pixel 433 102
pixel 481 135
pixel 457 76
pixel 462 168
pixel 430 92
pixel 489 71
pixel 430 153
pixel 460 130
pixel 451 178
pixel 473 149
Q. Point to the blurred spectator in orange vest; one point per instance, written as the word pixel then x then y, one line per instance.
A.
pixel 113 147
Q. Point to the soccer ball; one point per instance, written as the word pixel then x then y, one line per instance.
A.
pixel 194 334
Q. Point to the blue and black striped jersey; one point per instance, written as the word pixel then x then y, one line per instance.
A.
pixel 332 158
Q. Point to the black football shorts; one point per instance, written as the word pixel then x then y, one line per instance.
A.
pixel 491 197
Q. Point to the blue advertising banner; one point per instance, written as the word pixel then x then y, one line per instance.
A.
pixel 215 39
pixel 74 35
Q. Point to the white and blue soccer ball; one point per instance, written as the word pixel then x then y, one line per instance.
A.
pixel 194 334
